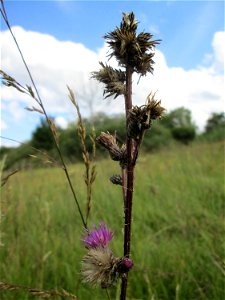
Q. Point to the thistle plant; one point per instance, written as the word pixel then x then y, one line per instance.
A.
pixel 134 54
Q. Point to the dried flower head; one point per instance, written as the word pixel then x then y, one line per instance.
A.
pixel 135 119
pixel 123 157
pixel 108 141
pixel 99 237
pixel 140 118
pixel 116 179
pixel 100 266
pixel 132 49
pixel 154 107
pixel 113 79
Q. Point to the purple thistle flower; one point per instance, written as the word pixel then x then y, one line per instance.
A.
pixel 99 237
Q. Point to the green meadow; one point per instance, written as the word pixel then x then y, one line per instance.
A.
pixel 177 230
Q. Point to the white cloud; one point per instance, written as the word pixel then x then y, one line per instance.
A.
pixel 200 90
pixel 61 122
pixel 54 64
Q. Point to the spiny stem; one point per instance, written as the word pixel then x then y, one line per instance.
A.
pixel 130 179
pixel 39 100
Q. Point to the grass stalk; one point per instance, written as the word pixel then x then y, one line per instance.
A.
pixel 88 158
pixel 37 292
pixel 40 102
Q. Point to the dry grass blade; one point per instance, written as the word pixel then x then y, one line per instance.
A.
pixel 90 172
pixel 41 155
pixel 10 81
pixel 36 292
pixel 53 130
pixel 34 109
pixel 5 179
pixel 29 88
pixel 44 158
pixel 93 139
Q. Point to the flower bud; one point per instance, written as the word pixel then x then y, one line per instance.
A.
pixel 109 142
pixel 124 265
pixel 116 179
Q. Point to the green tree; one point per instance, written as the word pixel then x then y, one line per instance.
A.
pixel 42 137
pixel 179 121
pixel 70 144
pixel 215 122
pixel 178 117
pixel 157 137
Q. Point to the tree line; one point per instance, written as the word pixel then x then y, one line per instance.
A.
pixel 176 126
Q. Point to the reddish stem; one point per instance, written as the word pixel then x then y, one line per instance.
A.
pixel 130 179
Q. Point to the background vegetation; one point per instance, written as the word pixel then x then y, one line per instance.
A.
pixel 176 126
pixel 177 226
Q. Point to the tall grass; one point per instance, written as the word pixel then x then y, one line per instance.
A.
pixel 177 227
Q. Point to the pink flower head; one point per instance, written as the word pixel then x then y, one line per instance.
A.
pixel 99 237
pixel 124 265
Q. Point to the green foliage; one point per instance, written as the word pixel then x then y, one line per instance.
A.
pixel 177 227
pixel 69 144
pixel 42 137
pixel 17 157
pixel 179 121
pixel 177 125
pixel 215 128
pixel 179 117
pixel 217 134
pixel 184 134
pixel 157 137
pixel 114 124
pixel 216 121
pixel 4 150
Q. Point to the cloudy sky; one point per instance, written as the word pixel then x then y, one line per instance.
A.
pixel 62 43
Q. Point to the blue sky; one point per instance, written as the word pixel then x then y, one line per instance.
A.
pixel 187 29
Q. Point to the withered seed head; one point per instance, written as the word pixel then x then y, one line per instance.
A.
pixel 154 107
pixel 123 157
pixel 109 142
pixel 113 79
pixel 134 122
pixel 116 179
pixel 140 118
pixel 132 49
pixel 98 267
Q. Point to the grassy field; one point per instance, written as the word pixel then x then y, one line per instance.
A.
pixel 177 233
